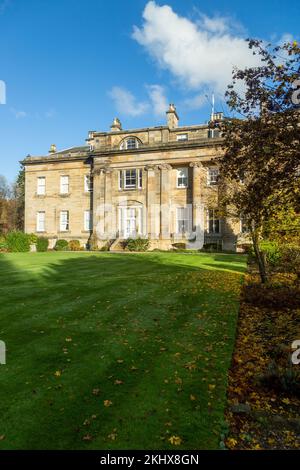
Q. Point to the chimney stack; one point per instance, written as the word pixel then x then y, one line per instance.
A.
pixel 116 125
pixel 172 117
pixel 52 148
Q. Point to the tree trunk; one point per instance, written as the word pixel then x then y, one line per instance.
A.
pixel 260 259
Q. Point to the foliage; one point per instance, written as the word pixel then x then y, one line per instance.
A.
pixel 74 245
pixel 290 258
pixel 3 244
pixel 42 244
pixel 271 250
pixel 262 376
pixel 105 247
pixel 261 158
pixel 32 238
pixel 179 246
pixel 137 244
pixel 18 241
pixel 61 245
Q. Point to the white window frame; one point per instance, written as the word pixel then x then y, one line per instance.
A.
pixel 214 220
pixel 87 220
pixel 124 145
pixel 124 175
pixel 64 184
pixel 41 188
pixel 87 183
pixel 212 176
pixel 40 221
pixel 181 137
pixel 183 215
pixel 184 177
pixel 64 221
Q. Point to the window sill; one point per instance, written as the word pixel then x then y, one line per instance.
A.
pixel 182 187
pixel 64 194
pixel 64 231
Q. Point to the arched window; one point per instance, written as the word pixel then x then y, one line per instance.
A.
pixel 129 143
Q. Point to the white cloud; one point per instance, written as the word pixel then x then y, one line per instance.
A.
pixel 199 54
pixel 50 113
pixel 195 102
pixel 126 103
pixel 18 114
pixel 158 99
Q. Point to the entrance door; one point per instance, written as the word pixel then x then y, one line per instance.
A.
pixel 130 222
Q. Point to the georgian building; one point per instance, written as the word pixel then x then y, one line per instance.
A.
pixel 159 183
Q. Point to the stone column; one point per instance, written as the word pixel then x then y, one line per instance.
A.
pixel 152 206
pixel 197 207
pixel 108 209
pixel 165 208
pixel 98 202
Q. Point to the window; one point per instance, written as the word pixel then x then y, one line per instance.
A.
pixel 64 184
pixel 64 221
pixel 213 133
pixel 130 179
pixel 212 176
pixel 181 137
pixel 88 225
pixel 88 183
pixel 40 221
pixel 41 185
pixel 130 143
pixel 183 219
pixel 213 223
pixel 182 177
pixel 243 226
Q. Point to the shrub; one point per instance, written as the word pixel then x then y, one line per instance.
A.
pixel 3 244
pixel 179 246
pixel 74 245
pixel 32 238
pixel 290 258
pixel 271 250
pixel 42 244
pixel 61 245
pixel 137 244
pixel 18 242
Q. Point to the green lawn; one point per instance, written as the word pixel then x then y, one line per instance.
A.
pixel 151 335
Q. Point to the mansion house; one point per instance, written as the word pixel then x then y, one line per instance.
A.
pixel 159 183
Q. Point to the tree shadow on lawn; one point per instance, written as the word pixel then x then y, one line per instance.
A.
pixel 90 328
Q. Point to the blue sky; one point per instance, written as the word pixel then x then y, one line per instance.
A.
pixel 71 66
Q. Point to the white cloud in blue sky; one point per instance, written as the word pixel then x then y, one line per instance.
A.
pixel 127 104
pixel 200 54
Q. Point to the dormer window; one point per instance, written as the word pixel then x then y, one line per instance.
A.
pixel 129 143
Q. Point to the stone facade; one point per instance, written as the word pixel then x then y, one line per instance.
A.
pixel 159 183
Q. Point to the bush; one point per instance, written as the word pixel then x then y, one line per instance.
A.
pixel 32 238
pixel 3 244
pixel 290 258
pixel 42 244
pixel 179 246
pixel 271 250
pixel 74 245
pixel 61 245
pixel 137 244
pixel 18 242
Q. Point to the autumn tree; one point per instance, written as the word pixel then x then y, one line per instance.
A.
pixel 261 161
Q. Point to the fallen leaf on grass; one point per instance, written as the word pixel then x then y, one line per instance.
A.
pixel 107 403
pixel 175 440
